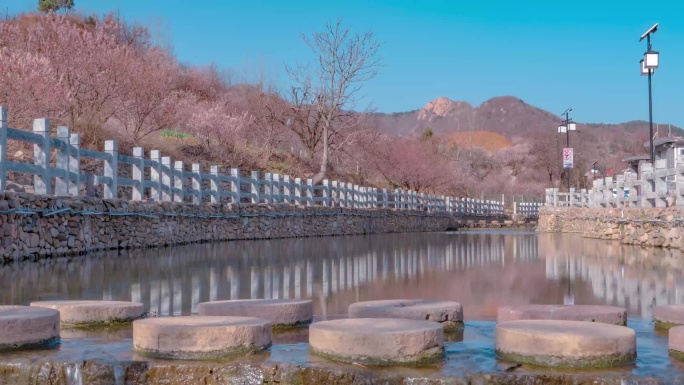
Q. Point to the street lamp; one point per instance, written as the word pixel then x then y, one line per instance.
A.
pixel 565 127
pixel 648 66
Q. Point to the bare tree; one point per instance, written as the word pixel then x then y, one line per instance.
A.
pixel 321 97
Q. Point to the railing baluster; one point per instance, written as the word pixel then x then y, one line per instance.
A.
pixel 41 157
pixel 111 169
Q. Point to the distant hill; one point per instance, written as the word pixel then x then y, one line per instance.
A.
pixel 503 120
pixel 506 115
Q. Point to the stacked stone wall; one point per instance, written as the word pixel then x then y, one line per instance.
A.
pixel 35 226
pixel 660 227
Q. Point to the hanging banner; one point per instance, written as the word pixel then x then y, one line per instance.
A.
pixel 567 157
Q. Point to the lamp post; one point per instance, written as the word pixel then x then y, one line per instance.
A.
pixel 648 66
pixel 565 127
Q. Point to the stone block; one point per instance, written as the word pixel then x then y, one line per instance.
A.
pixel 378 342
pixel 574 344
pixel 448 314
pixel 23 327
pixel 94 313
pixel 200 337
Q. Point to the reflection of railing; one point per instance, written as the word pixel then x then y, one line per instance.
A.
pixel 621 285
pixel 176 280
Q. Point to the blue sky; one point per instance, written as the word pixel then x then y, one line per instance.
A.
pixel 551 54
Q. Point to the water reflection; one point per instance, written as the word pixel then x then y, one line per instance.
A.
pixel 638 278
pixel 482 270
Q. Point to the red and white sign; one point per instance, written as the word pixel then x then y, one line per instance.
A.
pixel 567 157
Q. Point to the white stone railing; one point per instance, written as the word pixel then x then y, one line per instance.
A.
pixel 526 209
pixel 662 187
pixel 169 181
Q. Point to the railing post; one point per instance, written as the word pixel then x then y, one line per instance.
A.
pixel 326 193
pixel 335 194
pixel 111 169
pixel 235 184
pixel 256 188
pixel 298 191
pixel 3 148
pixel 196 182
pixel 309 192
pixel 62 161
pixel 268 188
pixel 287 189
pixel 75 164
pixel 275 190
pixel 138 174
pixel 41 157
pixel 343 194
pixel 178 181
pixel 166 179
pixel 155 176
pixel 215 184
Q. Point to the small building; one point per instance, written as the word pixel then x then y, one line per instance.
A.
pixel 668 151
pixel 635 163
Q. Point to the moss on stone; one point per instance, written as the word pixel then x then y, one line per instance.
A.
pixel 562 362
pixel 663 325
pixel 426 358
pixel 216 355
pixel 108 323
pixel 452 326
pixel 677 354
pixel 286 327
pixel 40 344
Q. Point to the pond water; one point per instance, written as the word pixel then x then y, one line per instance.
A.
pixel 480 269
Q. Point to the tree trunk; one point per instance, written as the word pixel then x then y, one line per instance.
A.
pixel 320 175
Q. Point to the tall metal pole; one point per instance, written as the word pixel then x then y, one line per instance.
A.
pixel 567 142
pixel 650 105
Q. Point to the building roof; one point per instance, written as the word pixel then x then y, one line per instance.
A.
pixel 637 158
pixel 660 141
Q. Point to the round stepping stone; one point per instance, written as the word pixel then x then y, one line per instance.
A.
pixel 200 337
pixel 590 313
pixel 666 317
pixel 379 342
pixel 24 327
pixel 449 314
pixel 94 313
pixel 676 341
pixel 283 313
pixel 574 344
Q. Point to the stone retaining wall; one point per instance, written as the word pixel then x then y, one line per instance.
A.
pixel 90 224
pixel 661 227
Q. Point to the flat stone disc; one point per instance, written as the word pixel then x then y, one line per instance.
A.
pixel 200 337
pixel 378 341
pixel 675 337
pixel 448 313
pixel 575 344
pixel 668 316
pixel 281 312
pixel 94 313
pixel 590 313
pixel 24 327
